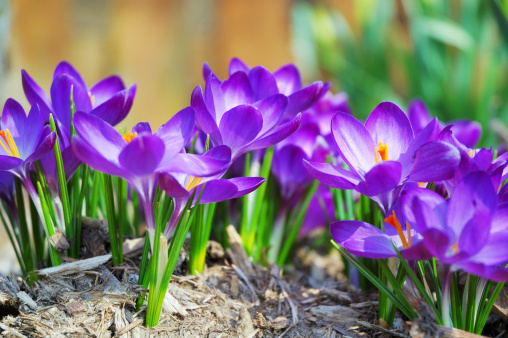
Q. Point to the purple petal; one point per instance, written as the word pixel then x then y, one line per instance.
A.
pixel 172 187
pixel 274 136
pixel 332 176
pixel 240 126
pixel 214 97
pixel 474 193
pixel 66 68
pixel 304 98
pixel 467 132
pixel 36 95
pixel 178 130
pixel 114 109
pixel 237 65
pixel 95 159
pixel 288 79
pixel 14 118
pixel 263 83
pixel 383 177
pixel 495 250
pixel 389 125
pixel 218 191
pixel 105 89
pixel 435 161
pixel 206 71
pixel 246 185
pixel 354 142
pixel 142 155
pixel 196 165
pixel 272 109
pixel 99 135
pixel 9 162
pixel 61 96
pixel 427 134
pixel 424 209
pixel 142 127
pixel 475 233
pixel 204 119
pixel 362 239
pixel 418 115
pixel 496 274
pixel 237 91
pixel 42 149
pixel 32 132
pixel 500 218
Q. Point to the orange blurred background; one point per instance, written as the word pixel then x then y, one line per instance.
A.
pixel 160 45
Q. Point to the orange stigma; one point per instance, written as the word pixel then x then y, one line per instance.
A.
pixel 10 146
pixel 128 136
pixel 393 221
pixel 193 182
pixel 455 248
pixel 382 149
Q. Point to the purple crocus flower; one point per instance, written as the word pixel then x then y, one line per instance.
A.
pixel 286 81
pixel 180 186
pixel 23 140
pixel 467 132
pixel 107 99
pixel 269 102
pixel 468 232
pixel 138 156
pixel 320 211
pixel 383 155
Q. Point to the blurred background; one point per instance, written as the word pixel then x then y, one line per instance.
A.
pixel 452 54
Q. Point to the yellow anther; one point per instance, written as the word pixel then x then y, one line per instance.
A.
pixel 192 182
pixel 10 146
pixel 382 149
pixel 470 153
pixel 455 248
pixel 128 136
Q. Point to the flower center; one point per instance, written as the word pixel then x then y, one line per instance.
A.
pixel 10 146
pixel 193 182
pixel 128 136
pixel 455 248
pixel 382 149
pixel 393 221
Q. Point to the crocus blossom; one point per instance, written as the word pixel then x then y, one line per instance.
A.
pixel 107 99
pixel 138 156
pixel 467 232
pixel 383 155
pixel 269 102
pixel 23 140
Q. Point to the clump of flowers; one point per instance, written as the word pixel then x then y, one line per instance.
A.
pixel 410 203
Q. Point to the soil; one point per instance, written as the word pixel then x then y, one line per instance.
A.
pixel 232 298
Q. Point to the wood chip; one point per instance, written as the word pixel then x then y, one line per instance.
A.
pixel 74 267
pixel 237 252
pixel 245 325
pixel 59 241
pixel 25 298
pixel 73 307
pixel 171 305
pixel 12 331
pixel 335 313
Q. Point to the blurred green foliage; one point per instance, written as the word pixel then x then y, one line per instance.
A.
pixel 451 54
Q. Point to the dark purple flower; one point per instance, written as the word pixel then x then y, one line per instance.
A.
pixel 253 108
pixel 468 232
pixel 383 155
pixel 23 139
pixel 107 99
pixel 467 132
pixel 138 156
